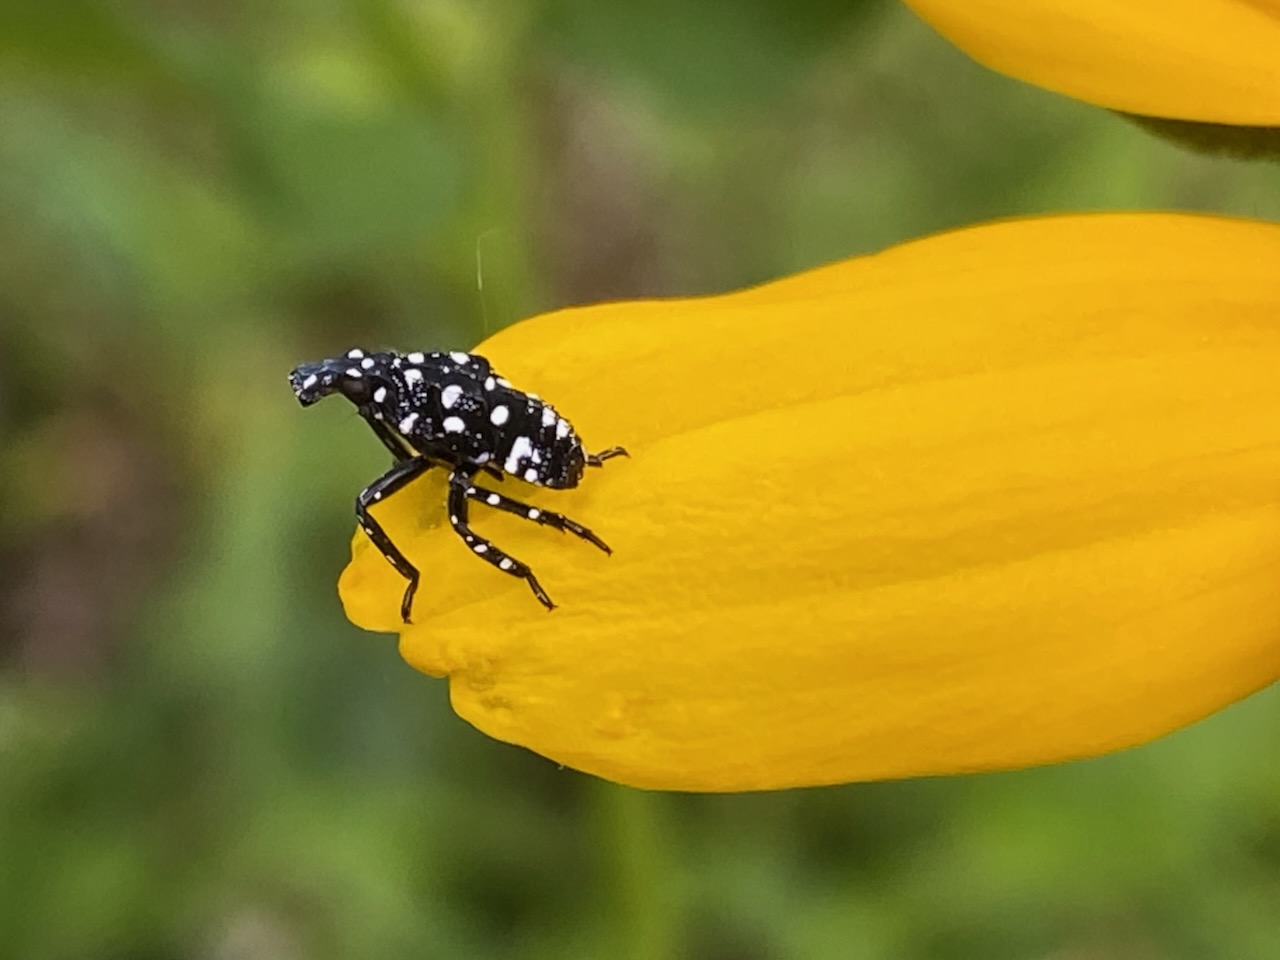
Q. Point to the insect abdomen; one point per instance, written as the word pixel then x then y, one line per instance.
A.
pixel 539 446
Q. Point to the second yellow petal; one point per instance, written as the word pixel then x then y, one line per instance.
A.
pixel 1209 60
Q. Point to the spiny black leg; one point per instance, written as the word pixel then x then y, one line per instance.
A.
pixel 459 483
pixel 398 476
pixel 597 459
pixel 547 518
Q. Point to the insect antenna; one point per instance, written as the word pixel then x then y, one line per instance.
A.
pixel 484 309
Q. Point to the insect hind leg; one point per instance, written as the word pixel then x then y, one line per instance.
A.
pixel 459 484
pixel 547 518
pixel 598 459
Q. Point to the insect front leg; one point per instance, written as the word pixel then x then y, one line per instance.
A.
pixel 459 484
pixel 547 518
pixel 390 439
pixel 398 476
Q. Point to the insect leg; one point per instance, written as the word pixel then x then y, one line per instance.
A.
pixel 547 518
pixel 398 476
pixel 389 439
pixel 459 484
pixel 598 459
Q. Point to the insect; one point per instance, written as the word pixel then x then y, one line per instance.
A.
pixel 455 411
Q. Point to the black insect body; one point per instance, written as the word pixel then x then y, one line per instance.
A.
pixel 453 410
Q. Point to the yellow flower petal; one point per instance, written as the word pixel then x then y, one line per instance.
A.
pixel 1004 496
pixel 1210 60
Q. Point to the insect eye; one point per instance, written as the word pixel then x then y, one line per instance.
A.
pixel 356 388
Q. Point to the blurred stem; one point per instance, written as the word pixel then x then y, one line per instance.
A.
pixel 633 836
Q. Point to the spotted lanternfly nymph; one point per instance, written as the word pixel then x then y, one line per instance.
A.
pixel 453 410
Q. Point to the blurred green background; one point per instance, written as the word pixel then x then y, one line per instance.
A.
pixel 200 758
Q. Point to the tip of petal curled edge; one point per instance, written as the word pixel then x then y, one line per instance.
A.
pixel 363 595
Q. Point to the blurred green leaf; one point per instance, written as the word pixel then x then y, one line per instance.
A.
pixel 83 36
pixel 704 57
pixel 353 186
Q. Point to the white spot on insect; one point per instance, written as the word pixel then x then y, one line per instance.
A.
pixel 481 548
pixel 520 451
pixel 380 394
pixel 490 383
pixel 459 357
pixel 367 363
pixel 537 455
pixel 534 513
pixel 417 357
pixel 483 458
pixel 505 563
pixel 407 423
pixel 454 425
pixel 471 491
pixel 378 495
pixel 493 499
pixel 355 354
pixel 562 428
pixel 498 415
pixel 548 416
pixel 531 475
pixel 310 382
pixel 449 395
pixel 412 376
pixel 453 519
pixel 354 373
